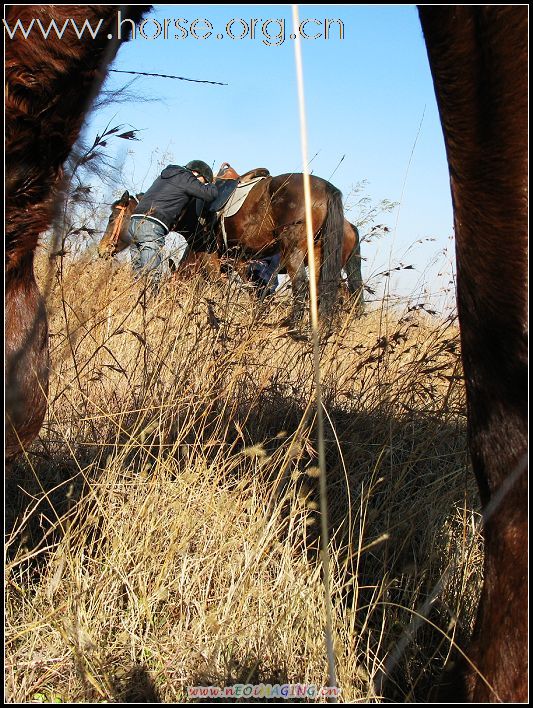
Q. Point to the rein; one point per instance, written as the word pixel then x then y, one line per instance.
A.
pixel 117 226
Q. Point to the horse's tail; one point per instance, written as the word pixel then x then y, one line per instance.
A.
pixel 354 276
pixel 332 240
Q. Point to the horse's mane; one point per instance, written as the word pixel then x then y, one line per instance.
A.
pixel 50 84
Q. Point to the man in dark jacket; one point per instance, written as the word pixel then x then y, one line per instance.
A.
pixel 159 208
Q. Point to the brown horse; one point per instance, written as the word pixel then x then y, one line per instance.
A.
pixel 272 219
pixel 115 238
pixel 479 62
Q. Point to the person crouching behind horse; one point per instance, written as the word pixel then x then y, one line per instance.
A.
pixel 263 274
pixel 159 208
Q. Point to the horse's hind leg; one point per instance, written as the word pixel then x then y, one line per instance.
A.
pixel 295 264
pixel 352 264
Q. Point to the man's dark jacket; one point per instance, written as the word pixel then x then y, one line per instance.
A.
pixel 171 192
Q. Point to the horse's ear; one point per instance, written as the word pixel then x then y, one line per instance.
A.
pixel 125 198
pixel 139 196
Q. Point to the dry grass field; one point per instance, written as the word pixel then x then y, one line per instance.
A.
pixel 162 532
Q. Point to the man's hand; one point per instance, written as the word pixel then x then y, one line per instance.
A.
pixel 199 177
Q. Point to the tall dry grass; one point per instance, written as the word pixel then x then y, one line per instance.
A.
pixel 162 532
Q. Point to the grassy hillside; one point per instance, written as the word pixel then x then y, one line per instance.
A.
pixel 162 532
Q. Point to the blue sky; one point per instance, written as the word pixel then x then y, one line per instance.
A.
pixel 369 98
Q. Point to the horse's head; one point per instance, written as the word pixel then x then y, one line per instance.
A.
pixel 115 238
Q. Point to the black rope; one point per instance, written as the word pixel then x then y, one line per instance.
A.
pixel 167 76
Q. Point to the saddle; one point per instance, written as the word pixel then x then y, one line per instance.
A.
pixel 227 181
pixel 226 187
pixel 227 172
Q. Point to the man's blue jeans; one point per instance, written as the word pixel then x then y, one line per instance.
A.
pixel 147 242
pixel 264 275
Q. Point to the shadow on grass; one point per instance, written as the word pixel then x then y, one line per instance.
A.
pixel 137 686
pixel 393 484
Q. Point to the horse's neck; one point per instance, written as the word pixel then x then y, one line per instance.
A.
pixel 32 116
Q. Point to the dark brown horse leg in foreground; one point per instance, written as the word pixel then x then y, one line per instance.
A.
pixel 478 57
pixel 49 85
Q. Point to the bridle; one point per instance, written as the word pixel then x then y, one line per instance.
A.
pixel 117 225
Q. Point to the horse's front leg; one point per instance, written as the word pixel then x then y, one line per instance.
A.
pixel 189 265
pixel 211 265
